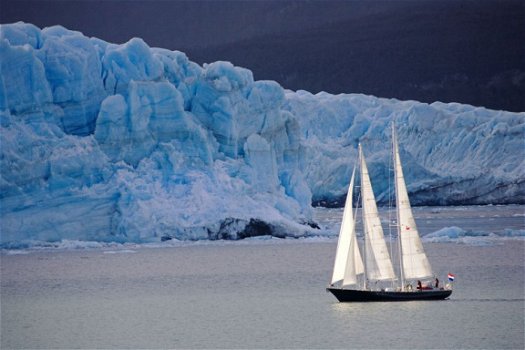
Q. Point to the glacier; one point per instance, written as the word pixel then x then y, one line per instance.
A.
pixel 128 143
pixel 453 154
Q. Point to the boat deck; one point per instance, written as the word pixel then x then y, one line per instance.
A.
pixel 350 295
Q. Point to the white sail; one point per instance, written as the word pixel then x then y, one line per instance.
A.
pixel 378 263
pixel 348 262
pixel 415 262
pixel 354 262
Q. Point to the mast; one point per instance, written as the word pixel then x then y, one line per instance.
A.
pixel 378 265
pixel 365 251
pixel 394 153
pixel 390 198
pixel 365 236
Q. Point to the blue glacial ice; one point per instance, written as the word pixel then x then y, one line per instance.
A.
pixel 460 236
pixel 452 154
pixel 127 143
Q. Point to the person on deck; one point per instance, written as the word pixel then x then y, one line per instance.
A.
pixel 437 283
pixel 419 286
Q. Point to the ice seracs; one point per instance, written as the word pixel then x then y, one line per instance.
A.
pixel 455 152
pixel 126 143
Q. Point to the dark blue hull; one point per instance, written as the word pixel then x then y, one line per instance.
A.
pixel 349 295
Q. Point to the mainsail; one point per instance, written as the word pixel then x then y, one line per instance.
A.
pixel 415 262
pixel 348 263
pixel 378 264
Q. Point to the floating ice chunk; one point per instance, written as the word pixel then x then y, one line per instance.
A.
pixel 120 251
pixel 513 233
pixel 452 232
pixel 457 235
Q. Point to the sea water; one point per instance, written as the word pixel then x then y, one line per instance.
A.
pixel 260 293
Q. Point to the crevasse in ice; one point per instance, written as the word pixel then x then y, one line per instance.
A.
pixel 130 143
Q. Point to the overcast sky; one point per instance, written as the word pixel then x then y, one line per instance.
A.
pixel 446 50
pixel 174 24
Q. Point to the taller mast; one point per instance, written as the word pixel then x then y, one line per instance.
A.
pixel 394 155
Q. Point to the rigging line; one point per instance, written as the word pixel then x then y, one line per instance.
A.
pixel 365 250
pixel 390 198
pixel 355 224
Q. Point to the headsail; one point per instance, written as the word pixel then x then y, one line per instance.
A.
pixel 348 262
pixel 378 263
pixel 354 263
pixel 415 262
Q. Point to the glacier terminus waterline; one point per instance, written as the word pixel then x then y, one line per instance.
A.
pixel 128 143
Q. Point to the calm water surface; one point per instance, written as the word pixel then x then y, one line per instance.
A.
pixel 250 295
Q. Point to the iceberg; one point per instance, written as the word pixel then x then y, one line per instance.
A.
pixel 458 235
pixel 127 143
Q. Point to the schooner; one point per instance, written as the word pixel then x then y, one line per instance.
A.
pixel 353 272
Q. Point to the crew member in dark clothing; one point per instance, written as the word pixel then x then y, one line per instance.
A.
pixel 419 285
pixel 437 283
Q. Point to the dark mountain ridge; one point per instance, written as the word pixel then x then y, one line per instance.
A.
pixel 430 51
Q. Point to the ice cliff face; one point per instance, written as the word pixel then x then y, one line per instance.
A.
pixel 452 153
pixel 131 143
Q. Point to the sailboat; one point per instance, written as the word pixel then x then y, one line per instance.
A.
pixel 373 278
